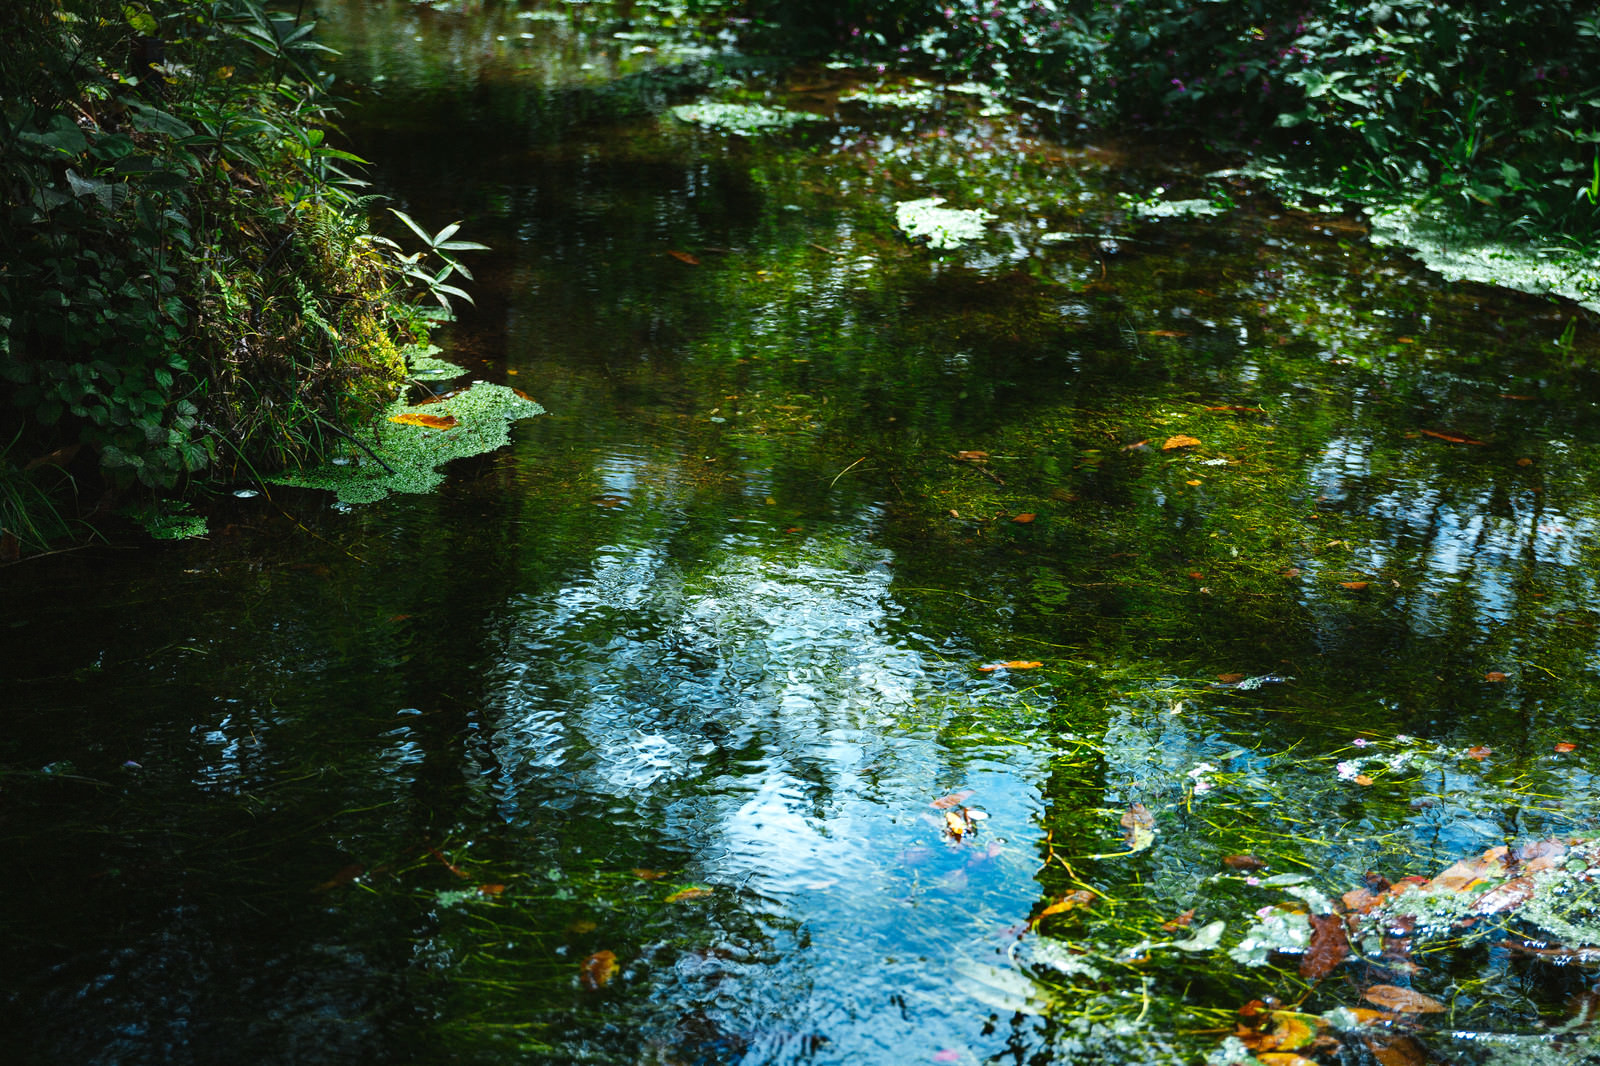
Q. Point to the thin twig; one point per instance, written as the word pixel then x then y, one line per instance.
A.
pixel 846 470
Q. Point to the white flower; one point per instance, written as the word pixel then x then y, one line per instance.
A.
pixel 1347 771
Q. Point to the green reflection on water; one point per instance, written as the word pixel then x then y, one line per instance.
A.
pixel 717 620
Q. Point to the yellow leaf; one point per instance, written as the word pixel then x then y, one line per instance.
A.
pixel 598 970
pixel 413 418
pixel 693 892
pixel 1181 440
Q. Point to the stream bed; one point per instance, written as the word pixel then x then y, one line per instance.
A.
pixel 1006 648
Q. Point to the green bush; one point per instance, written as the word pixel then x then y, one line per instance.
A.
pixel 187 285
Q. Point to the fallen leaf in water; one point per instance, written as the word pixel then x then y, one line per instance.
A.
pixel 1025 517
pixel 1231 678
pixel 343 876
pixel 1329 947
pixel 1077 898
pixel 417 418
pixel 1469 872
pixel 1398 1051
pixel 1362 779
pixel 955 799
pixel 1524 461
pixel 598 970
pixel 1182 921
pixel 1013 664
pixel 1243 862
pixel 1453 438
pixel 1181 440
pixel 1405 1000
pixel 692 892
pixel 1565 746
pixel 1494 676
pixel 973 456
pixel 1192 483
pixel 1238 409
pixel 1135 444
pixel 1138 827
pixel 683 257
pixel 491 890
pixel 1480 752
pixel 647 875
pixel 1354 586
pixel 1283 1058
pixel 1512 894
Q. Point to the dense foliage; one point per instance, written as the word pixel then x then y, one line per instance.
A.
pixel 188 283
pixel 1494 107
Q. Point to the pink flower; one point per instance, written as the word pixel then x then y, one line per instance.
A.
pixel 1361 742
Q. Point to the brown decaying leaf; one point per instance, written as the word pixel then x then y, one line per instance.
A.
pixel 1024 518
pixel 1494 676
pixel 1243 862
pixel 491 890
pixel 1231 678
pixel 1182 921
pixel 1468 872
pixel 1404 1000
pixel 1329 947
pixel 1398 1051
pixel 1512 894
pixel 1138 827
pixel 598 970
pixel 417 418
pixel 1180 440
pixel 1480 752
pixel 683 257
pixel 1354 586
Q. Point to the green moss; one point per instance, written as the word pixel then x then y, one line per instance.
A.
pixel 416 454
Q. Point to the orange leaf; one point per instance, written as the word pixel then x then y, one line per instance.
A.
pixel 491 890
pixel 693 892
pixel 683 257
pixel 972 456
pixel 1013 664
pixel 1243 862
pixel 1283 1058
pixel 955 799
pixel 1494 675
pixel 1524 461
pixel 1076 898
pixel 1181 440
pixel 956 822
pixel 1362 779
pixel 1398 1051
pixel 1329 947
pixel 1354 586
pixel 598 970
pixel 647 875
pixel 1025 517
pixel 1393 997
pixel 1480 752
pixel 1453 438
pixel 1512 894
pixel 1231 679
pixel 415 418
pixel 1564 747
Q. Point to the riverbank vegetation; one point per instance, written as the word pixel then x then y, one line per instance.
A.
pixel 190 288
pixel 1490 111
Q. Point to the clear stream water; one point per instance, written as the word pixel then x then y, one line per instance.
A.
pixel 633 743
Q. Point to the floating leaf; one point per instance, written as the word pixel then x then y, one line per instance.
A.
pixel 683 257
pixel 1074 899
pixel 1138 827
pixel 1393 997
pixel 491 890
pixel 1453 438
pixel 1469 872
pixel 1025 517
pixel 1564 746
pixel 692 892
pixel 1243 862
pixel 1494 676
pixel 1480 752
pixel 1181 440
pixel 1354 586
pixel 1231 678
pixel 1180 922
pixel 1362 779
pixel 598 970
pixel 1512 894
pixel 955 799
pixel 417 418
pixel 1329 947
pixel 1012 664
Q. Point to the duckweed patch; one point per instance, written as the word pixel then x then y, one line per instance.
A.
pixel 941 228
pixel 415 455
pixel 743 119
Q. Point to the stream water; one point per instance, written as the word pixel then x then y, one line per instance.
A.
pixel 877 649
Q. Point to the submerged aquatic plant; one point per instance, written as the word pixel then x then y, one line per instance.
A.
pixel 940 227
